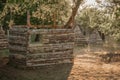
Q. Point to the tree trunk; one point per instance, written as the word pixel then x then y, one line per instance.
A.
pixel 70 22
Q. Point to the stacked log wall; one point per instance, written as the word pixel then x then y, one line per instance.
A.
pixel 56 47
pixel 18 44
pixel 3 40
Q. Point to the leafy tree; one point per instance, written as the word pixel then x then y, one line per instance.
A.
pixel 114 9
pixel 76 4
pixel 39 11
pixel 106 19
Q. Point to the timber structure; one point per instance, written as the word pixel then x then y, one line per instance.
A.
pixel 54 46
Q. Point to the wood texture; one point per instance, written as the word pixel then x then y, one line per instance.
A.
pixel 55 46
pixel 3 40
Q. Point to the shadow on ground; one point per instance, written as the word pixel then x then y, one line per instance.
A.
pixel 53 72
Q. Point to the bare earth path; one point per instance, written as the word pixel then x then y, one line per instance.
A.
pixel 89 67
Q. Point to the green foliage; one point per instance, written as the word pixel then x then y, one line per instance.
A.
pixel 41 11
pixel 106 20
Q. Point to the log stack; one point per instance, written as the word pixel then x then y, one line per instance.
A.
pixel 3 40
pixel 55 46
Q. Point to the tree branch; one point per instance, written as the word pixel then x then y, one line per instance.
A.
pixel 74 12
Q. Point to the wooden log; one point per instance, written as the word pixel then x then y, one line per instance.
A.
pixel 2 36
pixel 11 42
pixel 60 54
pixel 3 40
pixel 20 26
pixel 69 37
pixel 20 30
pixel 17 48
pixel 42 45
pixel 17 37
pixel 50 47
pixel 50 31
pixel 17 52
pixel 18 40
pixel 3 47
pixel 18 34
pixel 49 62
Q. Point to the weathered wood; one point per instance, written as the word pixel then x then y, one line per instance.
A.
pixel 13 33
pixel 56 46
pixel 49 55
pixel 50 47
pixel 3 40
pixel 17 52
pixel 18 37
pixel 2 36
pixel 42 64
pixel 49 62
pixel 50 31
pixel 18 40
pixel 17 48
pixel 20 43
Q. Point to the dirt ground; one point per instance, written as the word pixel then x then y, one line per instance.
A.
pixel 90 67
pixel 86 67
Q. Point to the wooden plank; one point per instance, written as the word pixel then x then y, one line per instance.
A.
pixel 17 52
pixel 50 31
pixel 18 40
pixel 3 40
pixel 49 62
pixel 11 42
pixel 17 33
pixel 2 36
pixel 17 37
pixel 62 40
pixel 57 44
pixel 60 35
pixel 49 55
pixel 17 48
pixel 19 30
pixel 50 47
pixel 20 26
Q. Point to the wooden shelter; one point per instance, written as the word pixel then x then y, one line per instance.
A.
pixel 95 38
pixel 54 46
pixel 80 39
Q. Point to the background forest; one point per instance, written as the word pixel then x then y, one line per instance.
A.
pixel 105 15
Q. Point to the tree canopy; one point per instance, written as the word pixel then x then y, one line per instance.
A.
pixel 55 12
pixel 105 18
pixel 41 11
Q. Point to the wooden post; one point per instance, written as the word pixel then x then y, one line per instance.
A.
pixel 28 18
pixel 54 20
